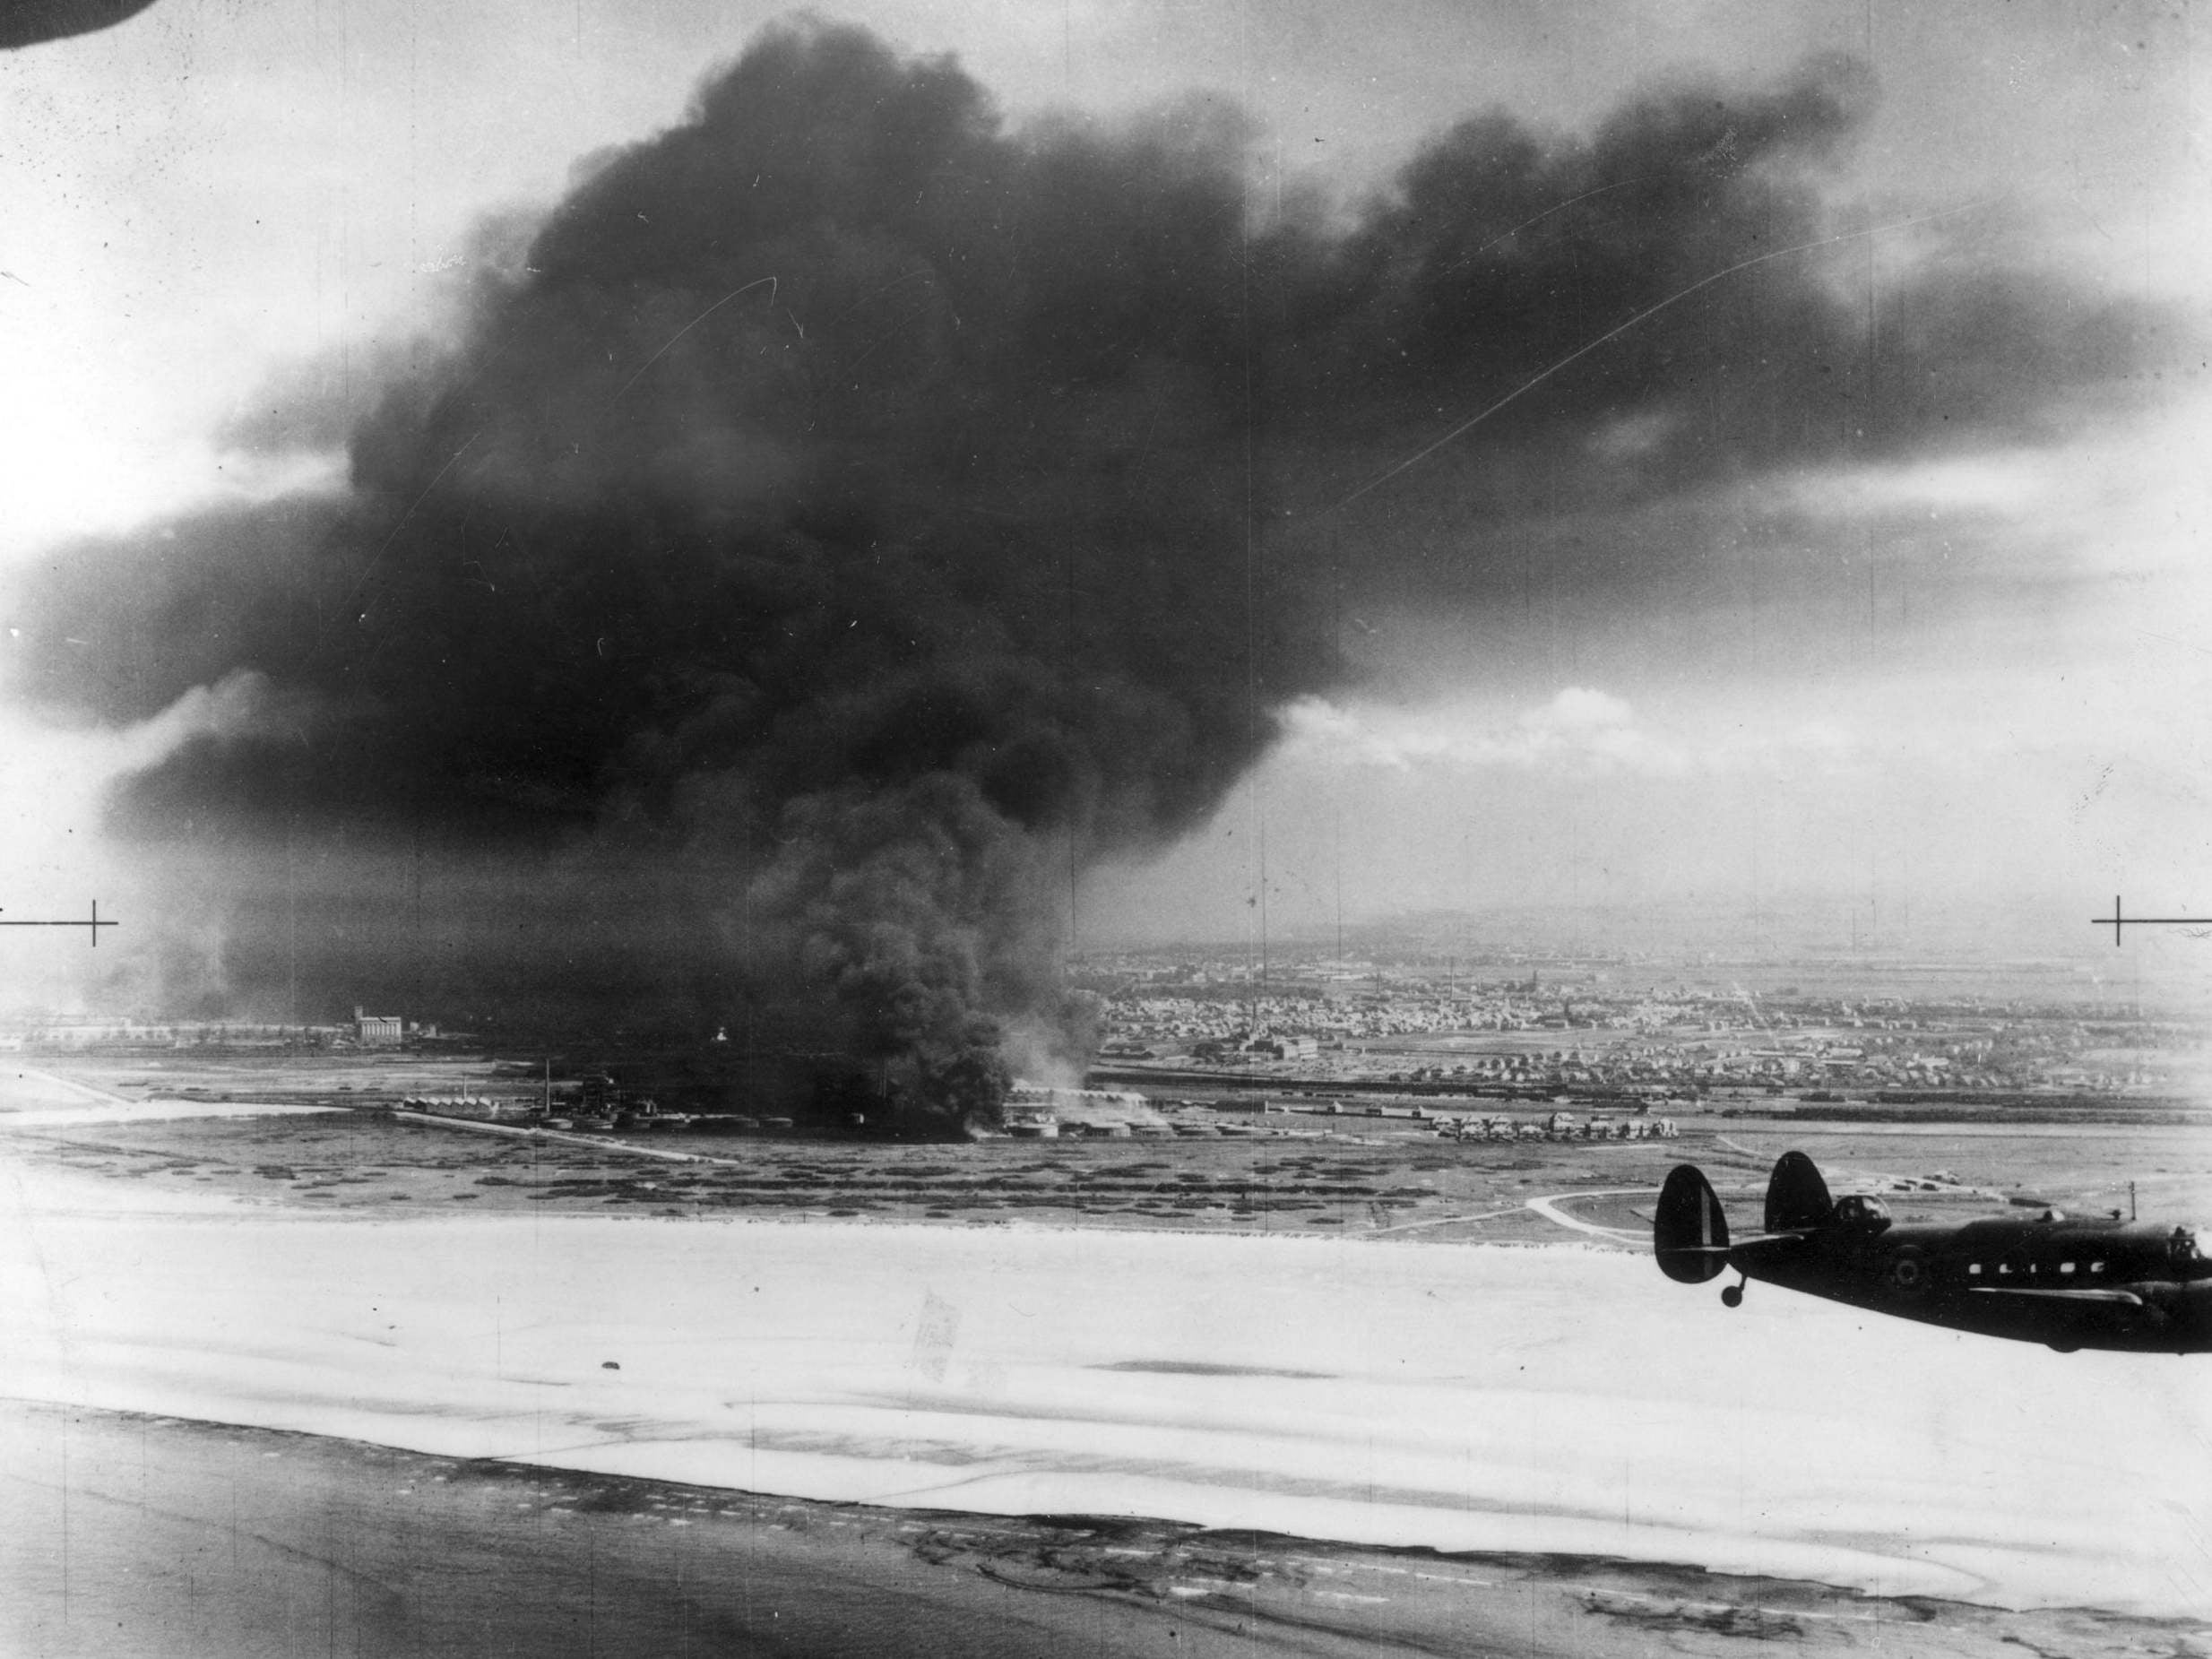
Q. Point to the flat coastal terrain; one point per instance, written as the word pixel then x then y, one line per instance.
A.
pixel 482 1396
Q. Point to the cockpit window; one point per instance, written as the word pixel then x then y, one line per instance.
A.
pixel 1858 1211
pixel 2190 1247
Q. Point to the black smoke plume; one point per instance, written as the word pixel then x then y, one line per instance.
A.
pixel 845 519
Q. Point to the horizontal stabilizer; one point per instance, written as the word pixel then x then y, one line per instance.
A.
pixel 1689 1233
pixel 1796 1196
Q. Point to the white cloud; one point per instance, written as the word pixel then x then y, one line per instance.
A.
pixel 1580 732
pixel 2007 484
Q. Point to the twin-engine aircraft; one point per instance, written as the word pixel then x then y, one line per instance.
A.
pixel 2069 1284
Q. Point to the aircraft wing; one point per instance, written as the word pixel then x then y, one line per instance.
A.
pixel 1723 1250
pixel 2125 1298
pixel 27 22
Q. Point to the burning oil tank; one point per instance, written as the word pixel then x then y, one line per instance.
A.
pixel 1036 1109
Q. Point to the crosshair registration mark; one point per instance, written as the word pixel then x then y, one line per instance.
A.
pixel 2118 919
pixel 92 924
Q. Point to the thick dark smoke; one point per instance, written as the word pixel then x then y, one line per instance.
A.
pixel 848 519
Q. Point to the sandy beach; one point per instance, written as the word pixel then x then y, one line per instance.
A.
pixel 135 1535
pixel 1558 1402
pixel 1555 1399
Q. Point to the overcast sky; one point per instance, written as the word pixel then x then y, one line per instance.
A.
pixel 1901 671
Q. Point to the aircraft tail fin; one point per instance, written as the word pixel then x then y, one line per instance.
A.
pixel 1796 1196
pixel 1690 1232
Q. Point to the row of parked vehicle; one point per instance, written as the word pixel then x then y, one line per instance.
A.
pixel 1560 1125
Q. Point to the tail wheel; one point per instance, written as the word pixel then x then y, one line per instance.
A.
pixel 1908 1273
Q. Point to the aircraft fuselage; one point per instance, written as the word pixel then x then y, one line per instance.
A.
pixel 2069 1284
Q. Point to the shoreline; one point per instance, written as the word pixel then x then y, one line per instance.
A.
pixel 1467 1401
pixel 152 1535
pixel 1462 1400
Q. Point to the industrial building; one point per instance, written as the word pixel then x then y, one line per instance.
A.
pixel 379 1030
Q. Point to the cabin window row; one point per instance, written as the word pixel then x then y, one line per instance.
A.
pixel 2006 1270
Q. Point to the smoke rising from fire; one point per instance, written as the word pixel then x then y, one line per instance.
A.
pixel 843 519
